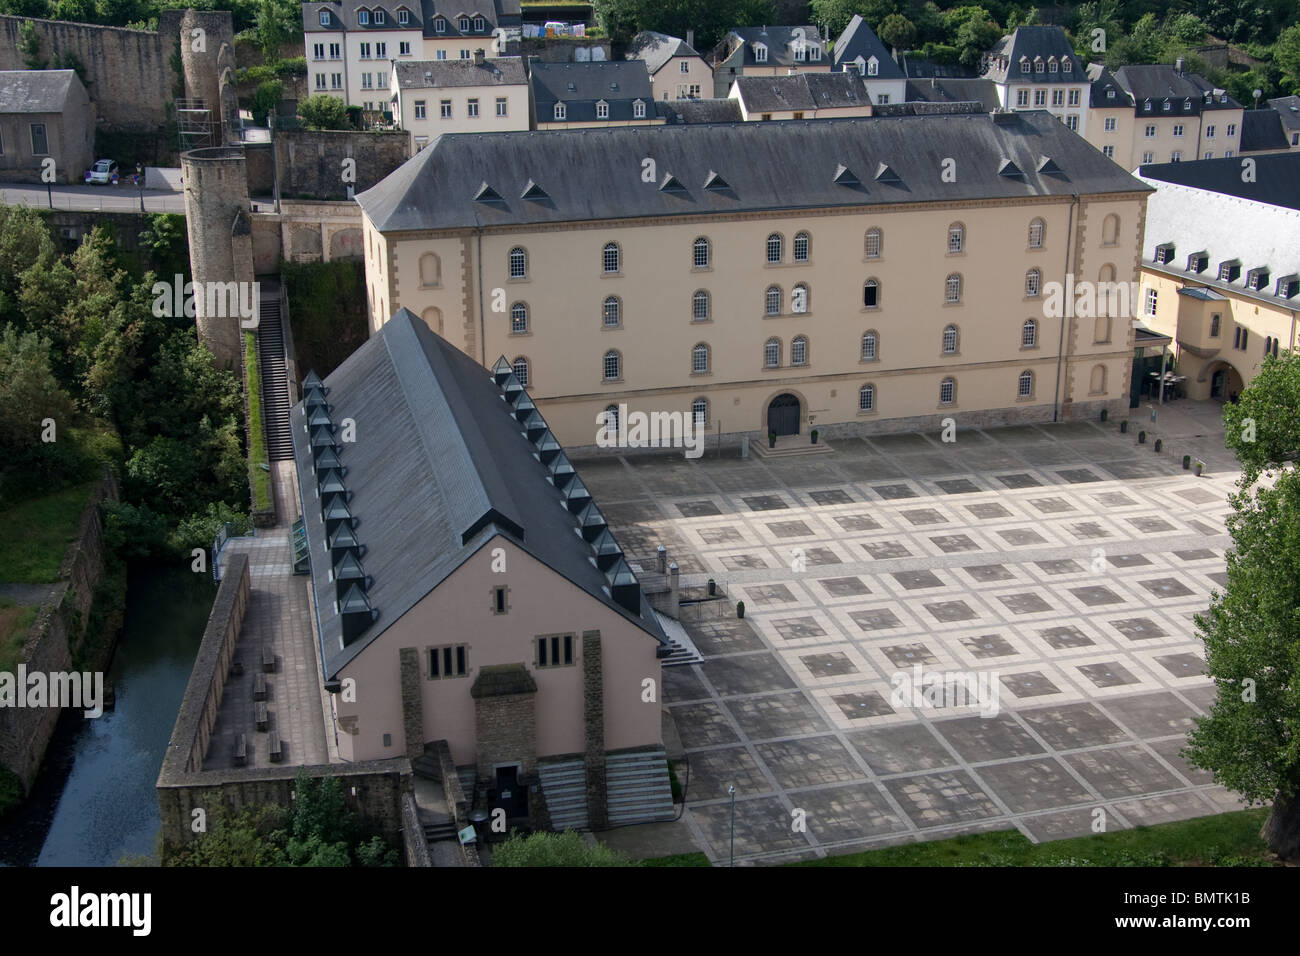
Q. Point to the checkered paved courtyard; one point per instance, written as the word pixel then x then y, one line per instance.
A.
pixel 1062 564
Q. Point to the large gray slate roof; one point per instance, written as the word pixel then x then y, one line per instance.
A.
pixel 656 49
pixel 440 74
pixel 1159 82
pixel 422 15
pixel 859 40
pixel 1288 110
pixel 1276 183
pixel 35 91
pixel 803 91
pixel 778 40
pixel 595 174
pixel 1033 42
pixel 1262 129
pixel 1103 84
pixel 699 111
pixel 620 83
pixel 440 468
pixel 954 90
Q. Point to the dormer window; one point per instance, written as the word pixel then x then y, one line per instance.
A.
pixel 1223 97
pixel 463 24
pixel 1110 94
pixel 1167 106
pixel 1067 65
pixel 324 18
pixel 816 52
pixel 602 110
pixel 1146 106
pixel 363 17
pixel 638 109
pixel 439 25
pixel 1165 252
pixel 1052 65
pixel 1229 270
pixel 799 51
pixel 1198 262
pixel 1038 64
pixel 1024 64
pixel 1287 286
pixel 403 17
pixel 1187 106
pixel 479 23
pixel 873 67
pixel 760 53
pixel 379 16
pixel 861 66
pixel 561 111
pixel 1257 279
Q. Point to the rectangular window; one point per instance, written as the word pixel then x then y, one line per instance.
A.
pixel 365 51
pixel 444 109
pixel 1151 301
pixel 1111 124
pixel 1232 130
pixel 381 51
pixel 336 81
pixel 1209 154
pixel 1072 122
pixel 1150 131
pixel 1040 97
pixel 1022 97
pixel 381 80
pixel 367 81
pixel 882 99
pixel 1058 97
pixel 39 144
pixel 335 52
pixel 501 106
pixel 1214 325
pixel 450 661
pixel 1148 158
pixel 320 81
pixel 1109 151
pixel 685 66
pixel 318 51
pixel 1074 97
pixel 499 600
pixel 440 55
pixel 464 54
pixel 1209 132
pixel 1176 156
pixel 403 17
pixel 555 650
pixel 472 109
pixel 403 49
pixel 1178 129
pixel 419 109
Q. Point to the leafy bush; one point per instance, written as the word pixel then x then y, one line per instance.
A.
pixel 322 111
pixel 555 849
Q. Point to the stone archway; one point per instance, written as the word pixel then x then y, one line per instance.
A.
pixel 1225 381
pixel 784 413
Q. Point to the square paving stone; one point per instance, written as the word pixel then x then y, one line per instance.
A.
pixel 1201 695
pixel 779 715
pixel 1107 674
pixel 1065 824
pixel 905 655
pixel 901 443
pixel 958 486
pixel 1152 715
pixel 1088 530
pixel 812 762
pixel 1139 628
pixel 746 674
pixel 743 562
pixel 1151 525
pixel 1052 506
pixel 698 509
pixel 1021 537
pixel 1115 499
pixel 769 594
pixel 980 739
pixel 1122 771
pixel 702 725
pixel 900 748
pixel 762 825
pixel 834 496
pixel 1026 603
pixel 844 587
pixel 1197 554
pixel 765 503
pixel 720 535
pixel 797 628
pixel 1066 636
pixel 1020 480
pixel 954 543
pixel 815 557
pixel 1072 726
pixel 987 573
pixel 1063 566
pixel 1078 476
pixel 948 612
pixel 1038 784
pixel 1029 684
pixel 1199 496
pixel 921 516
pixel 880 619
pixel 838 814
pixel 894 492
pixel 713 638
pixel 917 580
pixel 828 665
pixel 1171 750
pixel 942 799
pixel 1096 596
pixel 1166 587
pixel 988 510
pixel 682 683
pixel 884 550
pixel 1219 577
pixel 989 645
pixel 1200 527
pixel 857 522
pixel 789 529
pixel 713 771
pixel 1132 469
pixel 1182 665
pixel 1128 560
pixel 1165 808
pixel 859 706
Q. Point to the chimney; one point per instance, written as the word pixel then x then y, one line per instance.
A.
pixel 690 39
pixel 674 589
pixel 1179 64
pixel 661 563
pixel 478 57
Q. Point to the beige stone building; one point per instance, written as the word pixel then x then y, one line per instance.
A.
pixel 1035 68
pixel 432 97
pixel 1221 267
pixel 767 51
pixel 677 71
pixel 591 95
pixel 801 96
pixel 781 275
pixel 1274 129
pixel 45 115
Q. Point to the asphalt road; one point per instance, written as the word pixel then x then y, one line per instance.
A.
pixel 121 198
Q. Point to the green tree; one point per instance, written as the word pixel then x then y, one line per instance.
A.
pixel 1286 54
pixel 897 31
pixel 277 21
pixel 29 394
pixel 973 32
pixel 554 849
pixel 1263 427
pixel 322 111
pixel 265 99
pixel 166 244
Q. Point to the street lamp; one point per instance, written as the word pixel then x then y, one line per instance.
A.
pixel 732 792
pixel 1258 94
pixel 139 181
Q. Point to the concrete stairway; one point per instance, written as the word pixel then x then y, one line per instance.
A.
pixel 275 394
pixel 638 789
pixel 564 783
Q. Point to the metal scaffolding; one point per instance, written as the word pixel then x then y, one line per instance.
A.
pixel 194 124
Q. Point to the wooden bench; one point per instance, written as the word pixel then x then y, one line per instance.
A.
pixel 241 750
pixel 259 714
pixel 275 749
pixel 259 687
pixel 268 658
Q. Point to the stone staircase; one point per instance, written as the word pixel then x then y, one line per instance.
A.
pixel 564 782
pixel 275 392
pixel 637 787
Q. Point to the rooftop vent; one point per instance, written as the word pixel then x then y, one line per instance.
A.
pixel 487 194
pixel 885 174
pixel 312 381
pixel 330 482
pixel 317 416
pixel 329 458
pixel 1047 166
pixel 845 176
pixel 714 181
pixel 671 184
pixel 534 192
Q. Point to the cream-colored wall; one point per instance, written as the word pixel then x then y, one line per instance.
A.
pixel 665 83
pixel 457 48
pixel 566 288
pixel 433 124
pixel 1193 143
pixel 459 611
pixel 650 120
pixel 1122 137
pixel 1007 93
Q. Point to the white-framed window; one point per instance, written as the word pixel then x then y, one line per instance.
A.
pixel 363 17
pixel 947 391
pixel 800 299
pixel 502 106
pixel 1148 158
pixel 1111 124
pixel 816 52
pixel 1068 65
pixel 1209 132
pixel 700 411
pixel 1038 64
pixel 867 398
pixel 873 67
pixel 1026 384
pixel 1178 129
pixel 799 351
pixel 684 66
pixel 1072 123
pixel 1151 302
pixel 612 312
pixel 760 53
pixel 518 263
pixel 463 24
pixel 612 366
pixel 1232 129
pixel 952 288
pixel 320 81
pixel 365 51
pixel 403 17
pixel 471 109
pixel 638 109
pixel 611 419
pixel 700 306
pixel 870 345
pixel 1022 97
pixel 772 353
pixel 1166 106
pixel 950 340
pixel 700 253
pixel 519 318
pixel 367 81
pixel 802 244
pixel 420 109
pixel 611 258
pixel 1108 152
pixel 318 51
pixel 479 24
pixel 439 26
pixel 444 109
pixel 775 247
pixel 1150 131
pixel 1024 64
pixel 1176 156
pixel 1074 97
pixel 956 237
pixel 772 300
pixel 324 18
pixel 1033 282
pixel 700 359
pixel 381 51
pixel 440 54
pixel 602 110
pixel 1058 97
pixel 403 48
pixel 520 366
pixel 1295 141
pixel 871 294
pixel 1029 334
pixel 560 112
pixel 1209 154
pixel 1040 97
pixel 1036 228
pixel 336 81
pixel 379 16
pixel 874 243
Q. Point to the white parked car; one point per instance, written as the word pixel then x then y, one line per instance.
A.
pixel 102 173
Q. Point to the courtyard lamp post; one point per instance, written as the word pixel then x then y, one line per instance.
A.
pixel 732 791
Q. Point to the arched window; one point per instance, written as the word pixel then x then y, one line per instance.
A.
pixel 772 353
pixel 560 112
pixel 700 253
pixel 772 300
pixel 1106 292
pixel 1033 282
pixel 1036 228
pixel 956 237
pixel 1101 329
pixel 947 391
pixel 775 245
pixel 801 246
pixel 700 306
pixel 950 340
pixel 871 294
pixel 799 351
pixel 613 312
pixel 430 270
pixel 700 359
pixel 518 263
pixel 520 365
pixel 1098 383
pixel 875 243
pixel 867 398
pixel 700 411
pixel 433 318
pixel 1029 334
pixel 800 299
pixel 611 419
pixel 870 344
pixel 952 288
pixel 518 318
pixel 1026 384
pixel 611 257
pixel 612 366
pixel 1110 230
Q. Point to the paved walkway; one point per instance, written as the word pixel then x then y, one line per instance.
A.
pixel 278 613
pixel 1061 565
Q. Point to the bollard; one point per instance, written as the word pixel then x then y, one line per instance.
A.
pixel 674 581
pixel 661 559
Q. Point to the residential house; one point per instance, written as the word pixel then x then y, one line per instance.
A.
pixel 1176 117
pixel 677 71
pixel 595 94
pixel 432 97
pixel 802 96
pixel 1274 129
pixel 860 50
pixel 767 51
pixel 45 115
pixel 1035 68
